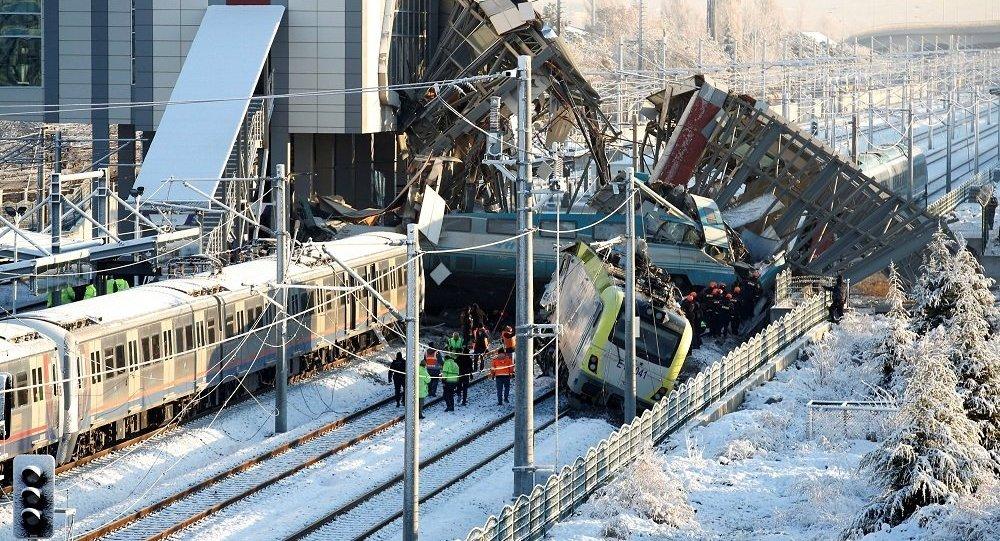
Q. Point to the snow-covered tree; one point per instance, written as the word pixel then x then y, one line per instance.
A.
pixel 937 286
pixel 933 455
pixel 891 347
pixel 974 356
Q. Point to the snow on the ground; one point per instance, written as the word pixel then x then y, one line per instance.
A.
pixel 454 512
pixel 337 480
pixel 755 473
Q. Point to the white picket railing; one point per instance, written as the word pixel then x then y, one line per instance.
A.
pixel 529 517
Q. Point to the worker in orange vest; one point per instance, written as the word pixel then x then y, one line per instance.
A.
pixel 433 360
pixel 502 370
pixel 509 341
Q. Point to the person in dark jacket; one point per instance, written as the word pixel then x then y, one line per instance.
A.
pixel 689 307
pixel 465 369
pixel 481 344
pixel 397 376
pixel 839 299
pixel 990 211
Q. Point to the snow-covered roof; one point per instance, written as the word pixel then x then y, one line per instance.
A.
pixel 17 341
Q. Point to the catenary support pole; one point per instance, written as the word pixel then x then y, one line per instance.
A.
pixel 278 185
pixel 975 132
pixel 524 414
pixel 633 328
pixel 411 446
pixel 909 156
pixel 55 211
pixel 40 181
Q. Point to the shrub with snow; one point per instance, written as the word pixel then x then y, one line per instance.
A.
pixel 937 286
pixel 934 454
pixel 644 492
pixel 974 356
pixel 892 344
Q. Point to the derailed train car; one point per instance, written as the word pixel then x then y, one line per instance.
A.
pixel 81 377
pixel 594 332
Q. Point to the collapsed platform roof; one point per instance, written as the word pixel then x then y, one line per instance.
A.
pixel 823 212
pixel 486 37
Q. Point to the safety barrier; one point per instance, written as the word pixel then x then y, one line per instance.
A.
pixel 529 517
pixel 963 194
pixel 792 290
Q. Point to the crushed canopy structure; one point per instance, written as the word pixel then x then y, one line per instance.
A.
pixel 806 200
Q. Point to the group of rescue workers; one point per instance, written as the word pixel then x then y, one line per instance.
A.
pixel 720 310
pixel 465 355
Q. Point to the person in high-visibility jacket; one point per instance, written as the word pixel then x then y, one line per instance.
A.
pixel 450 375
pixel 115 285
pixel 502 370
pixel 90 291
pixel 425 380
pixel 66 295
pixel 455 345
pixel 433 361
pixel 509 340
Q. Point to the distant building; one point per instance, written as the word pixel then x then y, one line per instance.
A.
pixel 65 52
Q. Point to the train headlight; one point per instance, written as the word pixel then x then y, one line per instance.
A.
pixel 592 363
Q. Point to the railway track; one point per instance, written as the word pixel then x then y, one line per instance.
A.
pixel 379 507
pixel 180 510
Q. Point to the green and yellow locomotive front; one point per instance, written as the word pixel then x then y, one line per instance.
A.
pixel 594 337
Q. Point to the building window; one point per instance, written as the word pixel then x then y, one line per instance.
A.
pixel 20 42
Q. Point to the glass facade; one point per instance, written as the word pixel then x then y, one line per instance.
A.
pixel 20 42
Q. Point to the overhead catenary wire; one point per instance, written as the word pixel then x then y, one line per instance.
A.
pixel 106 106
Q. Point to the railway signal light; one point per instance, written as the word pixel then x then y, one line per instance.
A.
pixel 34 496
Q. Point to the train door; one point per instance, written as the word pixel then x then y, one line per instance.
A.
pixel 169 362
pixel 214 337
pixel 136 389
pixel 52 392
pixel 184 346
pixel 200 347
pixel 116 391
pixel 151 370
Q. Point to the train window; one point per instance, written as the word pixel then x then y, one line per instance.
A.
pixel 657 346
pixel 21 384
pixel 109 363
pixel 133 356
pixel 201 334
pixel 293 304
pixel 154 346
pixel 179 340
pixel 6 403
pixel 608 231
pixel 96 370
pixel 37 389
pixel 501 227
pixel 563 226
pixel 168 343
pixel 79 374
pixel 189 337
pixel 230 328
pixel 211 331
pixel 457 224
pixel 241 321
pixel 120 360
pixel 145 350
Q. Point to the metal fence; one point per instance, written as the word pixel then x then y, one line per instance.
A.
pixel 850 419
pixel 529 517
pixel 794 290
pixel 963 194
